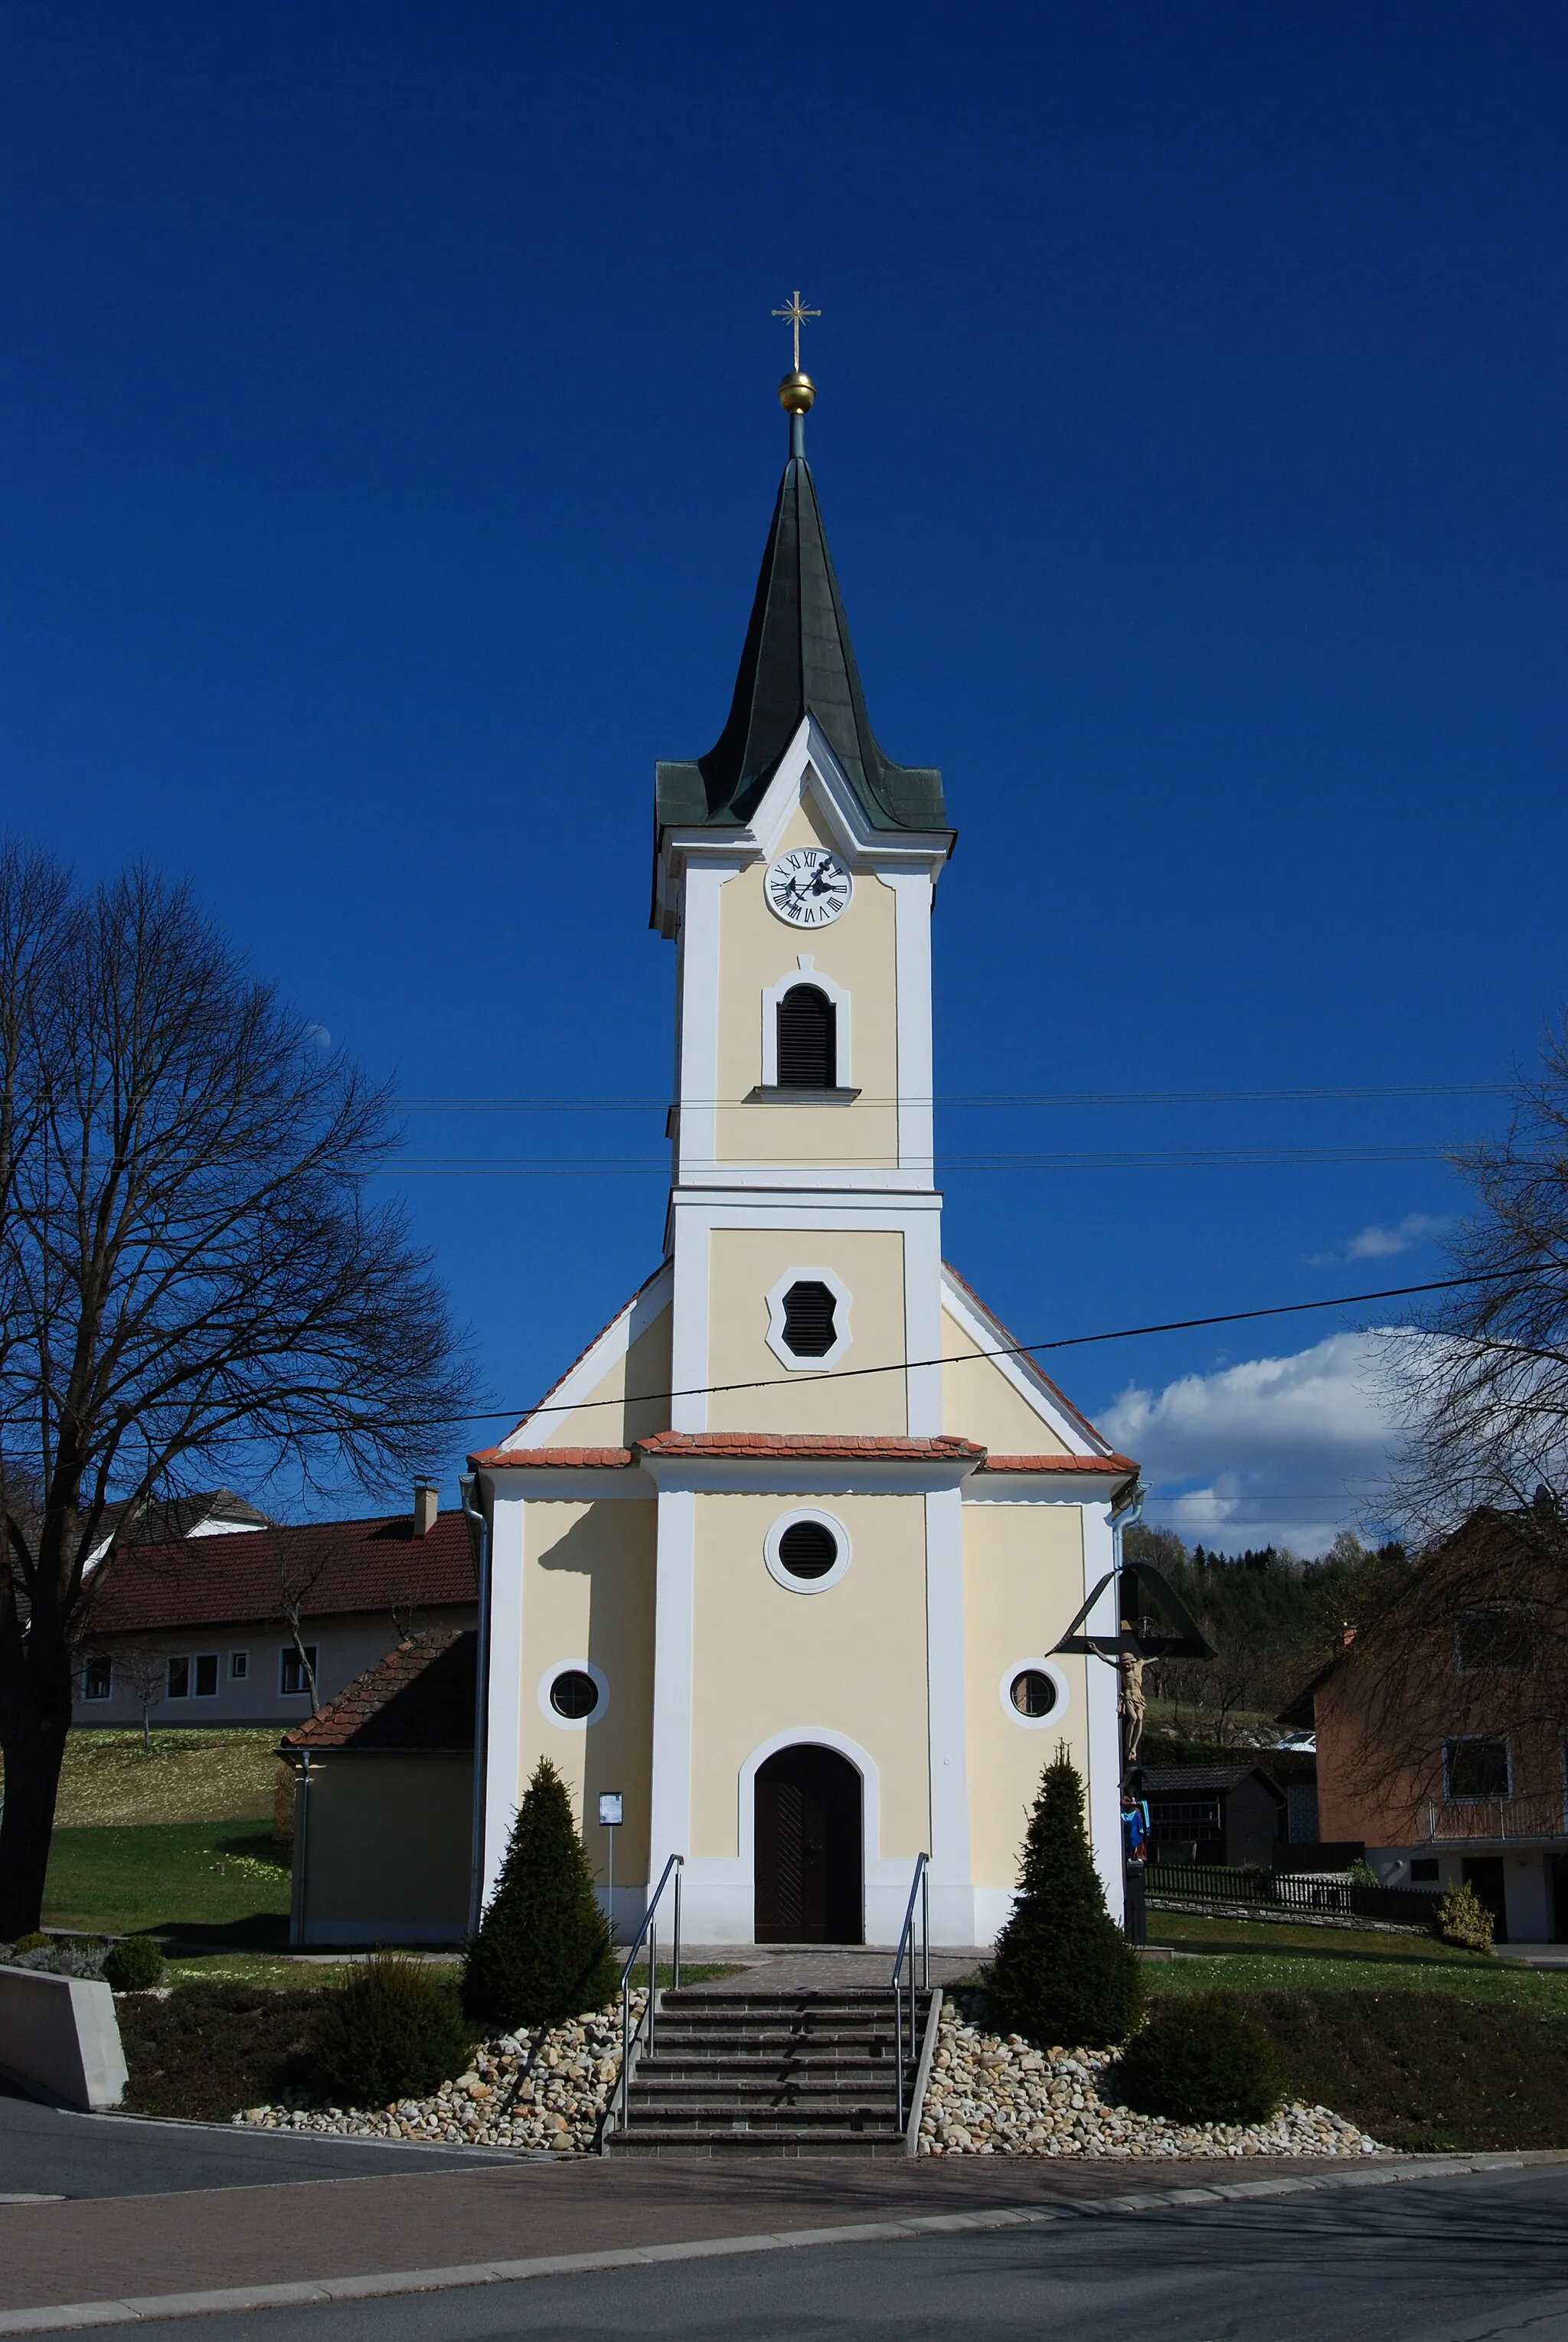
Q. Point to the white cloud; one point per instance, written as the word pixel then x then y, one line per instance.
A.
pixel 1417 1227
pixel 1281 1451
pixel 1376 1243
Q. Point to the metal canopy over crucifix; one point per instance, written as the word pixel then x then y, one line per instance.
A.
pixel 1153 1621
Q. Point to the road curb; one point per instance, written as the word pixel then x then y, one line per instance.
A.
pixel 137 2309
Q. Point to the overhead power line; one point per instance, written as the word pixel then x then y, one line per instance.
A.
pixel 1008 1349
pixel 978 1098
pixel 1171 1158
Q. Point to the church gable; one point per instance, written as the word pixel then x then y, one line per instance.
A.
pixel 1005 1403
pixel 617 1390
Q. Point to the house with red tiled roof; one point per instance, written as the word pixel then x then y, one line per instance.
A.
pixel 384 1800
pixel 264 1624
pixel 799 1566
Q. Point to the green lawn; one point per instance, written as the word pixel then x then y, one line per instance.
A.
pixel 1190 1932
pixel 216 1881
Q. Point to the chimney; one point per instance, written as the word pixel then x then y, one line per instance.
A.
pixel 426 1505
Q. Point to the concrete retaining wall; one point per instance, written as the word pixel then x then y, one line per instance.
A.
pixel 58 2035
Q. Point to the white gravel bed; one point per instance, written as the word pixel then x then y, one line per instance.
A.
pixel 991 2095
pixel 544 2088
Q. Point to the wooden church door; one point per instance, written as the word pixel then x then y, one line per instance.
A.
pixel 808 1848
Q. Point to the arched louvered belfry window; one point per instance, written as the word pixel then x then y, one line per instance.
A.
pixel 807 1040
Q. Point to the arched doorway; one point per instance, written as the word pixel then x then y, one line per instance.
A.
pixel 808 1842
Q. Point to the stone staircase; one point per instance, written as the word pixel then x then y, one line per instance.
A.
pixel 802 2072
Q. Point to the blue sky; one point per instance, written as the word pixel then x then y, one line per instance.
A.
pixel 388 435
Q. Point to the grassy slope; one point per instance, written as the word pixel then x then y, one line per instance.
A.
pixel 1429 2049
pixel 208 1879
pixel 189 1776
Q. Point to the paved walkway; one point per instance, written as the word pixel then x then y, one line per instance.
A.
pixel 140 2245
pixel 819 1967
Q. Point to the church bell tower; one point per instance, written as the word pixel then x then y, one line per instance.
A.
pixel 783 1560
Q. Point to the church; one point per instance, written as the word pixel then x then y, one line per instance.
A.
pixel 783 1558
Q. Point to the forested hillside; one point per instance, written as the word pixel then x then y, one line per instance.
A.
pixel 1275 1617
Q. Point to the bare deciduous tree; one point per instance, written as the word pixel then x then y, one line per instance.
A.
pixel 1478 1638
pixel 144 1670
pixel 191 1276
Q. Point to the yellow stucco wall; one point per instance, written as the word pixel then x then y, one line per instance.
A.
pixel 978 1402
pixel 744 1264
pixel 859 953
pixel 588 1594
pixel 1022 1581
pixel 390 1839
pixel 851 1658
pixel 642 1368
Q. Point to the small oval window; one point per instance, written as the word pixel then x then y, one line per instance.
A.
pixel 1032 1693
pixel 808 1549
pixel 573 1695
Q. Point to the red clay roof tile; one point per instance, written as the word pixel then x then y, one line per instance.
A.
pixel 205 1581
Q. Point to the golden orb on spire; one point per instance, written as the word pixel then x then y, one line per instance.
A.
pixel 796 393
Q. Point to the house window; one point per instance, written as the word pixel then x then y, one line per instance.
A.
pixel 1185 1817
pixel 179 1685
pixel 239 1666
pixel 206 1683
pixel 807 1040
pixel 97 1679
pixel 1477 1766
pixel 808 1328
pixel 1495 1641
pixel 1423 1870
pixel 292 1677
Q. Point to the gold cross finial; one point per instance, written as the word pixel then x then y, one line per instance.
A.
pixel 795 313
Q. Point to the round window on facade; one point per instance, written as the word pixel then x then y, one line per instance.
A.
pixel 806 1551
pixel 573 1695
pixel 1032 1693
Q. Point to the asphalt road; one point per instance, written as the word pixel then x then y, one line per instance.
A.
pixel 47 2153
pixel 1465 2260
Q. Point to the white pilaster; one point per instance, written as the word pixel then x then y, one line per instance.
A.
pixel 952 1883
pixel 912 891
pixel 1104 1783
pixel 503 1723
pixel 670 1794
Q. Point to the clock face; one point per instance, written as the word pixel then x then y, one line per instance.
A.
pixel 808 886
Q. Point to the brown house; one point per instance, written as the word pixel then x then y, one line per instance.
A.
pixel 384 1841
pixel 1441 1744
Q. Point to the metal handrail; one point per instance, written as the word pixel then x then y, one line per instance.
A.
pixel 649 1932
pixel 919 1893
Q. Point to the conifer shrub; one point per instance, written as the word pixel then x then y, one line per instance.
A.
pixel 1063 1975
pixel 392 2030
pixel 37 1942
pixel 1462 1919
pixel 544 1951
pixel 135 1964
pixel 1202 2059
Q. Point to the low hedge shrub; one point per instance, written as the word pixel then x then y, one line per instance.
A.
pixel 209 2050
pixel 134 1965
pixel 1201 2059
pixel 1462 1917
pixel 392 2030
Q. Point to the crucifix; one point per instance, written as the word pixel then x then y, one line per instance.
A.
pixel 795 313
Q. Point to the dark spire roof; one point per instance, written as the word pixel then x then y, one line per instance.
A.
pixel 797 660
